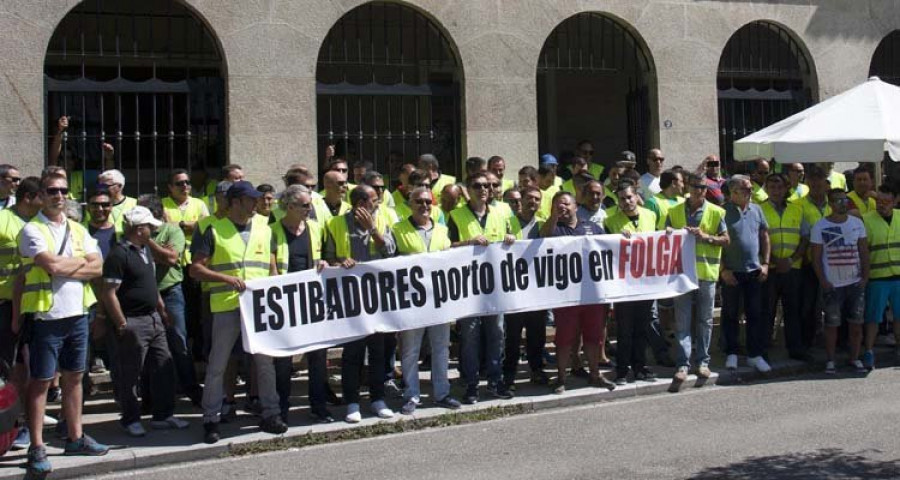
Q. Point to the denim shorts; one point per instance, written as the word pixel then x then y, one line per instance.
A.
pixel 62 343
pixel 843 303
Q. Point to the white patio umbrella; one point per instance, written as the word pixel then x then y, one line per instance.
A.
pixel 858 125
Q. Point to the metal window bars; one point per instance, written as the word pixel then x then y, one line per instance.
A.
pixel 387 84
pixel 145 77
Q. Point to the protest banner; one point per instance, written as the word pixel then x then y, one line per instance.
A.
pixel 303 311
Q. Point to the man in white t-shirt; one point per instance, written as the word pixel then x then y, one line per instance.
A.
pixel 9 182
pixel 841 261
pixel 650 180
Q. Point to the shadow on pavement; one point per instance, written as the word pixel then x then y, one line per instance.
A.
pixel 821 464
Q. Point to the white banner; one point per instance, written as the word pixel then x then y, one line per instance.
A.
pixel 299 312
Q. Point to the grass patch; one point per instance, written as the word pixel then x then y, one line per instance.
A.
pixel 378 429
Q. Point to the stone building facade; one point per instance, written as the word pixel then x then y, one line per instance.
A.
pixel 270 49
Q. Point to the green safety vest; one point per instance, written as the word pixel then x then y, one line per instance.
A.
pixel 316 238
pixel 784 230
pixel 508 184
pixel 338 230
pixel 547 202
pixel 515 227
pixel 495 226
pixel 409 241
pixel 708 256
pixel 758 194
pixel 596 170
pixel 37 295
pixel 864 207
pixel 10 226
pixel 202 225
pixel 438 186
pixel 235 258
pixel 884 245
pixel 192 213
pixel 619 222
pixel 796 194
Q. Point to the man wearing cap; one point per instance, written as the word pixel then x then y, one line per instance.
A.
pixel 546 182
pixel 552 163
pixel 230 252
pixel 136 310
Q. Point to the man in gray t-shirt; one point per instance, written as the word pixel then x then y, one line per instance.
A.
pixel 745 268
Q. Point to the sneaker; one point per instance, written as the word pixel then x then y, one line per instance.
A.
pixel 273 425
pixel 645 375
pixel 85 446
pixel 22 440
pixel 381 409
pixel 471 397
pixel 211 432
pixel 50 421
pixel 409 407
pixel 681 374
pixel 98 367
pixel 731 362
pixel 704 372
pixel 54 394
pixel 37 463
pixel 135 429
pixel 868 360
pixel 321 416
pixel 353 415
pixel 829 368
pixel 449 403
pixel 760 364
pixel 559 388
pixel 859 367
pixel 499 390
pixel 170 423
pixel 602 382
pixel 391 389
pixel 539 377
pixel 228 413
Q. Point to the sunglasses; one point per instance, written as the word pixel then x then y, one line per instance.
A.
pixel 182 183
pixel 423 201
pixel 56 191
pixel 13 179
pixel 483 186
pixel 378 187
pixel 106 186
pixel 101 204
pixel 495 185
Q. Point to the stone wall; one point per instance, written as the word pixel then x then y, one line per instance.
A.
pixel 271 46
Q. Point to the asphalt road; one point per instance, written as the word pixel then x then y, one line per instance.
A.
pixel 810 427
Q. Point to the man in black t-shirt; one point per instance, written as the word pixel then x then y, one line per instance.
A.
pixel 135 308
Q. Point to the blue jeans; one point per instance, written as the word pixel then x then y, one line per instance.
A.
pixel 472 331
pixel 750 289
pixel 704 298
pixel 439 336
pixel 177 338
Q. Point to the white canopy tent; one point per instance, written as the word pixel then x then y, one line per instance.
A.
pixel 858 125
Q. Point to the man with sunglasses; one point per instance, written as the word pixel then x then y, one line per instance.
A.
pixel 706 222
pixel 182 209
pixel 113 182
pixel 9 181
pixel 585 150
pixel 650 179
pixel 798 189
pixel 416 179
pixel 476 223
pixel 711 169
pixel 336 188
pixel 60 260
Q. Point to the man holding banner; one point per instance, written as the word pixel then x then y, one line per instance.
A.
pixel 233 250
pixel 706 222
pixel 419 234
pixel 476 224
pixel 361 236
pixel 632 317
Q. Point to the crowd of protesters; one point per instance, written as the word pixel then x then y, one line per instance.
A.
pixel 147 286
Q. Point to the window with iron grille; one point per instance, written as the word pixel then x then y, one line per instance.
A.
pixel 144 77
pixel 595 80
pixel 886 60
pixel 764 77
pixel 388 88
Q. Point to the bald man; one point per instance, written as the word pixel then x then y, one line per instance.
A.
pixel 335 196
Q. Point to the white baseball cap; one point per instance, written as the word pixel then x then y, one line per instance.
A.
pixel 141 216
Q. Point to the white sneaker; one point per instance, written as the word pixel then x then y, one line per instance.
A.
pixel 135 429
pixel 170 423
pixel 50 421
pixel 760 364
pixel 353 415
pixel 381 409
pixel 731 362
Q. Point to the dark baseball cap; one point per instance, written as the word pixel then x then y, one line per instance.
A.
pixel 243 188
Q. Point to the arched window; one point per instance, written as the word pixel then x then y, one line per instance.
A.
pixel 886 60
pixel 387 84
pixel 764 76
pixel 144 77
pixel 596 81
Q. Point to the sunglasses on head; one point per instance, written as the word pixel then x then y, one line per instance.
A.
pixel 56 191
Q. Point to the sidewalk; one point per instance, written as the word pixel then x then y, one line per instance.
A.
pixel 168 447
